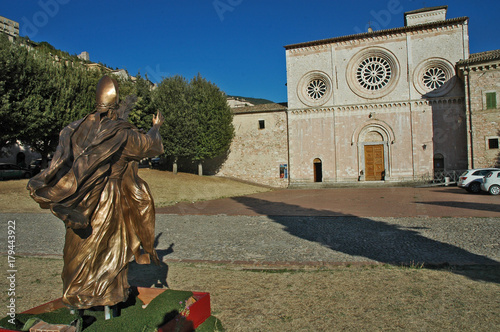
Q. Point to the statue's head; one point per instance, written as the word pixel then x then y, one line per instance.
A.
pixel 107 94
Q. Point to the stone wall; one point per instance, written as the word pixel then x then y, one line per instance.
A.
pixel 256 153
pixel 485 122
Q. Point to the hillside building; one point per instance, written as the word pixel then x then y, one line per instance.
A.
pixel 9 27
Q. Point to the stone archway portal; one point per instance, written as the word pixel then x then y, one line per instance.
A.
pixel 374 162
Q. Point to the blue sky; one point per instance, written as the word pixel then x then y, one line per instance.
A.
pixel 236 44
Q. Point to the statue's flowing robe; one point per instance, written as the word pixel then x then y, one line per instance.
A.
pixel 93 186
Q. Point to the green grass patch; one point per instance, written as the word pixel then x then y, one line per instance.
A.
pixel 133 317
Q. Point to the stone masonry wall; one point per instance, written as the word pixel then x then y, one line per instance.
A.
pixel 485 122
pixel 256 154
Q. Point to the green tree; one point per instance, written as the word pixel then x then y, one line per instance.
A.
pixel 41 95
pixel 171 97
pixel 214 120
pixel 13 77
pixel 144 109
pixel 198 121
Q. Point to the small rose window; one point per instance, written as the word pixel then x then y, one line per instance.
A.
pixel 434 78
pixel 316 89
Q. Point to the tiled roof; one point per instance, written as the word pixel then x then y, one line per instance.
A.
pixel 426 9
pixel 379 33
pixel 272 107
pixel 481 57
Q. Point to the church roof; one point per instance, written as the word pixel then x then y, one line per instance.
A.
pixel 379 33
pixel 481 57
pixel 262 108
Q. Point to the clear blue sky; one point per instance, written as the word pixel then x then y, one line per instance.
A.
pixel 236 44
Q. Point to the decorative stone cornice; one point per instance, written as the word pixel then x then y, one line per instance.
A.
pixel 379 106
pixel 439 101
pixel 377 35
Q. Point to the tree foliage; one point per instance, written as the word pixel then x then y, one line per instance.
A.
pixel 41 95
pixel 172 98
pixel 198 121
pixel 142 114
pixel 214 118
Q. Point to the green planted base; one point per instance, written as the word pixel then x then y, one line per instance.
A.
pixel 133 317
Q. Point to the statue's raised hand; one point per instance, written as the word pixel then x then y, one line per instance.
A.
pixel 158 119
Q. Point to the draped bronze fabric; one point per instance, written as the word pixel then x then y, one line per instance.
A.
pixel 93 186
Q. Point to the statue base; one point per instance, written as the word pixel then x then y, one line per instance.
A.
pixel 190 310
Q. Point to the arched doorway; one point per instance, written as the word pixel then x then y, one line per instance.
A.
pixel 374 156
pixel 374 142
pixel 21 159
pixel 318 170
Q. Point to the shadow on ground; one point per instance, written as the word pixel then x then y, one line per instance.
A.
pixel 150 275
pixel 378 241
pixel 467 205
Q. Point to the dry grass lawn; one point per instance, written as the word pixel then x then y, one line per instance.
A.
pixel 373 298
pixel 167 189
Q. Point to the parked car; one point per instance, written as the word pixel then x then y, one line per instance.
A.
pixel 155 162
pixel 471 179
pixel 11 171
pixel 36 166
pixel 491 183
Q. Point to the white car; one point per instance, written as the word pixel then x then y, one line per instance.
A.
pixel 471 180
pixel 491 183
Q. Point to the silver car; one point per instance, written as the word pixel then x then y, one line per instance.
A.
pixel 471 180
pixel 491 183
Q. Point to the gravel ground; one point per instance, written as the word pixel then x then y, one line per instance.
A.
pixel 291 240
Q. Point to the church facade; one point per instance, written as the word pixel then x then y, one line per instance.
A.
pixel 379 106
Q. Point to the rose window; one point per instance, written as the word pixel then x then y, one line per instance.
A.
pixel 316 89
pixel 434 78
pixel 374 73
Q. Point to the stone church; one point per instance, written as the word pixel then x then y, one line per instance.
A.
pixel 379 106
pixel 385 105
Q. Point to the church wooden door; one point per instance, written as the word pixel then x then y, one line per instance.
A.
pixel 374 162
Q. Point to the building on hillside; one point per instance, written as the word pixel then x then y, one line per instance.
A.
pixel 238 102
pixel 481 75
pixel 259 150
pixel 84 56
pixel 9 27
pixel 379 106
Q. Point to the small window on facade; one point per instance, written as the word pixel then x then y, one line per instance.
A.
pixel 493 143
pixel 262 124
pixel 491 100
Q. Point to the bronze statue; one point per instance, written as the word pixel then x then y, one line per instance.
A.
pixel 92 184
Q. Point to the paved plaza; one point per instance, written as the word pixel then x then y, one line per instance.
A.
pixel 311 227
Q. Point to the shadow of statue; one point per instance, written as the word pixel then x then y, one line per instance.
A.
pixel 380 241
pixel 150 275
